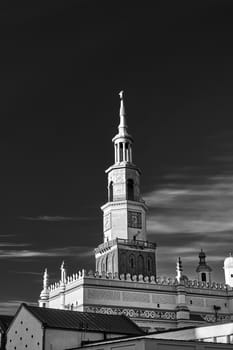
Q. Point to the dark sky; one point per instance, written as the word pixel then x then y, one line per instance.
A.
pixel 62 64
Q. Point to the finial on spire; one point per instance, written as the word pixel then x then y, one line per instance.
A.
pixel 122 109
pixel 121 94
pixel 122 126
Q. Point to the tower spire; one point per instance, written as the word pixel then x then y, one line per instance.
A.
pixel 122 128
pixel 179 269
pixel 123 125
pixel 122 141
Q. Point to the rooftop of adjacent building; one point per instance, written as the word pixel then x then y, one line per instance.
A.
pixel 75 320
pixel 182 334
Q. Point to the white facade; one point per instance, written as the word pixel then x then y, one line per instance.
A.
pixel 228 269
pixel 152 304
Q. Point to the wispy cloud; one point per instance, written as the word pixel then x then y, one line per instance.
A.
pixel 185 216
pixel 10 244
pixel 81 252
pixel 9 307
pixel 55 218
pixel 192 208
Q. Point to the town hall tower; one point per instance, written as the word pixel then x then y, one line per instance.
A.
pixel 125 248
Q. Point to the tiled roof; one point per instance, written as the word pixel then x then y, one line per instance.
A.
pixel 65 319
pixel 5 321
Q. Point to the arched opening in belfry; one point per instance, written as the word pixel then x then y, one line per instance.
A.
pixel 130 190
pixel 121 152
pixel 110 192
pixel 203 277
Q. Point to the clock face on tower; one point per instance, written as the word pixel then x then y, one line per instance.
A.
pixel 134 219
pixel 107 222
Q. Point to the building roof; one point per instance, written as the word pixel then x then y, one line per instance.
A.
pixel 76 320
pixel 5 321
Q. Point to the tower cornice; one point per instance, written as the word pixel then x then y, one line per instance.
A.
pixel 123 165
pixel 125 203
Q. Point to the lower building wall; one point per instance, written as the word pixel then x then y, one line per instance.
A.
pixel 218 333
pixel 158 344
pixel 56 339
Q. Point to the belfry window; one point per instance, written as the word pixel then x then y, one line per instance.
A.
pixel 121 152
pixel 130 190
pixel 127 152
pixel 203 277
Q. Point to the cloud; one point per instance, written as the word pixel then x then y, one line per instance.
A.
pixel 200 208
pixel 10 244
pixel 55 218
pixel 186 215
pixel 9 307
pixel 81 252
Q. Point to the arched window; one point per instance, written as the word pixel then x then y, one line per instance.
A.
pixel 110 193
pixel 203 277
pixel 149 265
pixel 106 264
pixel 121 152
pixel 127 152
pixel 123 262
pixel 130 190
pixel 141 265
pixel 132 262
pixel 113 263
pixel 102 265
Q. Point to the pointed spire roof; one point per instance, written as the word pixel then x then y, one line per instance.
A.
pixel 45 279
pixel 45 293
pixel 122 127
pixel 122 110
